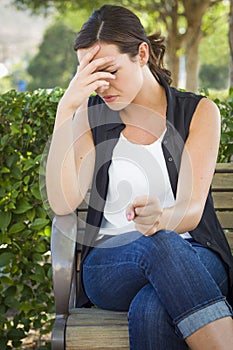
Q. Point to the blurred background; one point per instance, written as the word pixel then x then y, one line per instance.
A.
pixel 37 61
pixel 36 39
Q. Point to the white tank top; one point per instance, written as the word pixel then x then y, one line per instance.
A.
pixel 136 170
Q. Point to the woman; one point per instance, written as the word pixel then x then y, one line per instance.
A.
pixel 153 244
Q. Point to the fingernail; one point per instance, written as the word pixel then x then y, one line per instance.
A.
pixel 129 216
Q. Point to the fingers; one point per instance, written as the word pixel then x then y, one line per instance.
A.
pixel 92 65
pixel 89 76
pixel 146 220
pixel 143 201
pixel 145 211
pixel 99 76
pixel 89 56
pixel 130 213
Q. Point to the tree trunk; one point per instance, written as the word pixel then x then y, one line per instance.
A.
pixel 192 64
pixel 231 42
pixel 194 13
pixel 174 41
pixel 173 59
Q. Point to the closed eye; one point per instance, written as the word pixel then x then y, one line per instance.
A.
pixel 114 72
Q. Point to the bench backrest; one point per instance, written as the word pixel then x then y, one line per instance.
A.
pixel 222 189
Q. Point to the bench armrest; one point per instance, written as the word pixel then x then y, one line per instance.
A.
pixel 63 251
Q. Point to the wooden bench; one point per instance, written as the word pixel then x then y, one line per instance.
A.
pixel 87 329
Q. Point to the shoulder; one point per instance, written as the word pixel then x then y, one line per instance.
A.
pixel 182 104
pixel 186 97
pixel 206 111
pixel 198 106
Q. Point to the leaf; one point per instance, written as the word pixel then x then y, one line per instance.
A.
pixel 41 247
pixel 29 163
pixel 2 309
pixel 6 280
pixel 5 258
pixel 12 160
pixel 4 140
pixel 22 206
pixel 31 214
pixel 16 334
pixel 5 219
pixel 35 192
pixel 26 179
pixel 18 227
pixel 15 129
pixel 12 302
pixel 38 224
pixel 5 170
pixel 16 173
pixel 27 129
pixel 11 291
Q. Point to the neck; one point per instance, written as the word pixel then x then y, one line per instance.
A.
pixel 151 95
pixel 147 112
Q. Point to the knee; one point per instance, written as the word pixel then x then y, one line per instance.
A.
pixel 169 241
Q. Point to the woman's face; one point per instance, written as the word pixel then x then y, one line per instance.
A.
pixel 125 88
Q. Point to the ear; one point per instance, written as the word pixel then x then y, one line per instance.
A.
pixel 143 52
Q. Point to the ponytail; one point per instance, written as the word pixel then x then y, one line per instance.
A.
pixel 156 57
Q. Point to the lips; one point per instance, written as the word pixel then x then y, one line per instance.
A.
pixel 110 98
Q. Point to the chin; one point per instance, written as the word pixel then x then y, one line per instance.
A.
pixel 117 106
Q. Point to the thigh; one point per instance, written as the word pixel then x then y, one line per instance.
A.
pixel 111 277
pixel 150 326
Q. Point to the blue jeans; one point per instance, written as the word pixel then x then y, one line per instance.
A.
pixel 169 286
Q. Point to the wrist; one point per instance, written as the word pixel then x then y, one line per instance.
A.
pixel 164 219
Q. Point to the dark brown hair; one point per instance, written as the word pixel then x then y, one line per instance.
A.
pixel 117 25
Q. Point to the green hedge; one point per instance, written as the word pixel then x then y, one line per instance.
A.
pixel 26 299
pixel 226 143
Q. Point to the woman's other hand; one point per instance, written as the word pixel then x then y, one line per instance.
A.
pixel 145 211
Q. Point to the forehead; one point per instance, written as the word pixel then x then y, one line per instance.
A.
pixel 105 50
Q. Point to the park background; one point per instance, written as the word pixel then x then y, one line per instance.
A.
pixel 37 61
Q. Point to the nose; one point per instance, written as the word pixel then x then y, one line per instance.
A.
pixel 102 89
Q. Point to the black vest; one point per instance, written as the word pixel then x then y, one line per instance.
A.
pixel 106 126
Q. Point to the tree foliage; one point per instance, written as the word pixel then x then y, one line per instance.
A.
pixel 56 61
pixel 182 19
pixel 230 38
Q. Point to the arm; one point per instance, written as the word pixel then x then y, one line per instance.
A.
pixel 70 164
pixel 71 155
pixel 196 172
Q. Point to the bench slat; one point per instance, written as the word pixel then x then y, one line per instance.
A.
pixel 222 182
pixel 97 329
pixel 223 200
pixel 229 236
pixel 224 167
pixel 226 219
